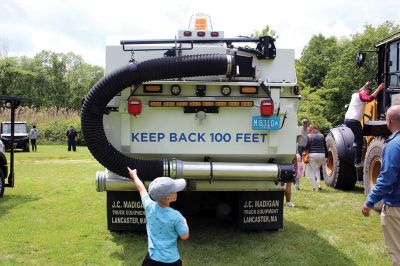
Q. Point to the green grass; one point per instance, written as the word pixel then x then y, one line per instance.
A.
pixel 54 216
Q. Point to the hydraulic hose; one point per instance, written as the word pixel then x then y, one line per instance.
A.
pixel 94 105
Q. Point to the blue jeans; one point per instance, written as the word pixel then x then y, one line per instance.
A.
pixel 355 126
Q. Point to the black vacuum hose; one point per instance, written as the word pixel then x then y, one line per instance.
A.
pixel 104 90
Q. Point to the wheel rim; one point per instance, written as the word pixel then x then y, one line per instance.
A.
pixel 329 163
pixel 375 168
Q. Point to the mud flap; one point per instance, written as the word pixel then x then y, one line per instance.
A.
pixel 125 211
pixel 260 210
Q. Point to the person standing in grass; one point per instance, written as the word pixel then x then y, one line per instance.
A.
pixel 387 187
pixel 33 136
pixel 163 224
pixel 71 135
pixel 317 152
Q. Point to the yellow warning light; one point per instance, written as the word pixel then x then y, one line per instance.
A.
pixel 168 104
pixel 194 103
pixel 181 104
pixel 152 88
pixel 201 23
pixel 248 90
pixel 221 104
pixel 234 104
pixel 246 104
pixel 207 103
pixel 155 104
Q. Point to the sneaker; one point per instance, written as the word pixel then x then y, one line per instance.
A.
pixel 359 165
pixel 289 204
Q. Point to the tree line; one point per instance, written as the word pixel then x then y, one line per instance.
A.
pixel 48 79
pixel 326 73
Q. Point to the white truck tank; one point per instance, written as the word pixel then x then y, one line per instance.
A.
pixel 222 114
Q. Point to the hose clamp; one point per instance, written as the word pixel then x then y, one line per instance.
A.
pixel 229 65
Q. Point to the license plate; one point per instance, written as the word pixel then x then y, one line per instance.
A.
pixel 265 123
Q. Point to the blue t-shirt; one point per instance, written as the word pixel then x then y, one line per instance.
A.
pixel 164 226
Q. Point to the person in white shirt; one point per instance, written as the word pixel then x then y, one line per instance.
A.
pixel 355 113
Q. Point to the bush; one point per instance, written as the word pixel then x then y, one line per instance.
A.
pixel 52 123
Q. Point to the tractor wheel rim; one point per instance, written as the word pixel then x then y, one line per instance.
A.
pixel 329 163
pixel 375 168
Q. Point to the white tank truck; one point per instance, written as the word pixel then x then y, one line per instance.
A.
pixel 224 117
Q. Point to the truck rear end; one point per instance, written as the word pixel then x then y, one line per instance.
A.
pixel 219 112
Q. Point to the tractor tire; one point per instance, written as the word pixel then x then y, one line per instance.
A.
pixel 372 167
pixel 2 183
pixel 338 173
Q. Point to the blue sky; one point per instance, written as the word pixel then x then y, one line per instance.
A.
pixel 84 27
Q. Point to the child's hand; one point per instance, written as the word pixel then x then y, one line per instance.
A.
pixel 132 173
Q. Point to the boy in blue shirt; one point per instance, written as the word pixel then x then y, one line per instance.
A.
pixel 163 224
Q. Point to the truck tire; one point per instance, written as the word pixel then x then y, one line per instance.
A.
pixel 338 173
pixel 372 167
pixel 26 147
pixel 2 183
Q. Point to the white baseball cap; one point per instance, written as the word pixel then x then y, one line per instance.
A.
pixel 161 187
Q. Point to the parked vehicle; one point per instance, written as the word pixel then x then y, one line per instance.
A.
pixel 21 135
pixel 223 117
pixel 340 171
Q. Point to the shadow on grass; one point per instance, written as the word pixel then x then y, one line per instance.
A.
pixel 217 242
pixel 8 202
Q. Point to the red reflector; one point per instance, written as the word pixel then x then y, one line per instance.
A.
pixel 267 107
pixel 214 34
pixel 187 33
pixel 134 106
pixel 201 34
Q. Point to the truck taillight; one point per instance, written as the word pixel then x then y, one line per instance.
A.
pixel 187 33
pixel 134 106
pixel 267 107
pixel 214 34
pixel 201 34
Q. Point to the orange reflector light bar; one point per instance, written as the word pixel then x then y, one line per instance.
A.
pixel 248 90
pixel 152 88
pixel 204 104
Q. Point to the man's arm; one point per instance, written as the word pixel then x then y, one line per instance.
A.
pixel 136 180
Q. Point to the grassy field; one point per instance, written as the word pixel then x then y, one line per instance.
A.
pixel 54 216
